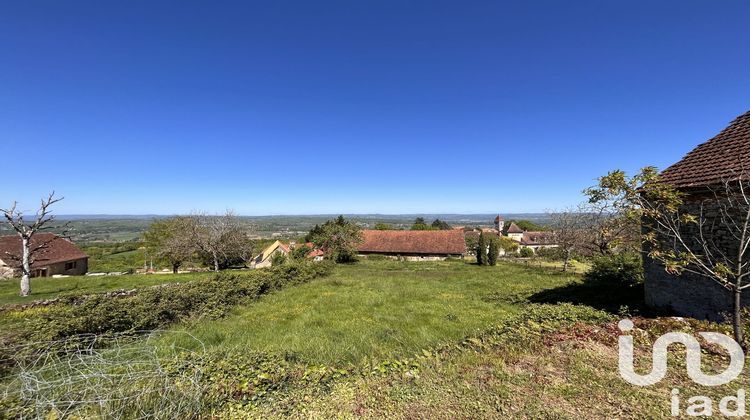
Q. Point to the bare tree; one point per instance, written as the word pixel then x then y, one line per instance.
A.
pixel 26 231
pixel 568 233
pixel 221 237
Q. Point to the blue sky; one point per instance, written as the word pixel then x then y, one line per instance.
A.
pixel 282 107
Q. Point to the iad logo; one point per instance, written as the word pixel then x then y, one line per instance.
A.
pixel 700 405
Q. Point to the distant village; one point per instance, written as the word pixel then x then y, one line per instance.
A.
pixel 59 256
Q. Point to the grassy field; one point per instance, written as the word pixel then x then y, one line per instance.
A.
pixel 111 257
pixel 48 288
pixel 387 339
pixel 378 309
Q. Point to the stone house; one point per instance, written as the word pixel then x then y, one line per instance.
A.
pixel 413 245
pixel 58 256
pixel 699 175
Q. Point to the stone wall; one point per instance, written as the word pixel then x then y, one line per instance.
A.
pixel 689 294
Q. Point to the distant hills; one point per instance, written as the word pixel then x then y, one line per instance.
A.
pixel 89 228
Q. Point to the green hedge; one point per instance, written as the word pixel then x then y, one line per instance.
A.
pixel 159 307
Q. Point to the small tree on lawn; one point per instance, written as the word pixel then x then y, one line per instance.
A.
pixel 481 250
pixel 707 235
pixel 568 234
pixel 26 231
pixel 171 240
pixel 492 253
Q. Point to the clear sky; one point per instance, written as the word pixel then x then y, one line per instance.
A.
pixel 292 107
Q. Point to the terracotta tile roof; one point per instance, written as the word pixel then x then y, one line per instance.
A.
pixel 58 250
pixel 441 242
pixel 537 238
pixel 316 253
pixel 499 218
pixel 514 228
pixel 719 159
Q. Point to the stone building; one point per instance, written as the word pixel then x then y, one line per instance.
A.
pixel 58 256
pixel 699 175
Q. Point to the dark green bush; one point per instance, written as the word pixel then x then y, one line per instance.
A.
pixel 526 252
pixel 625 268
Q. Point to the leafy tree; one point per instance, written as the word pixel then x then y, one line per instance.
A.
pixel 339 239
pixel 420 224
pixel 315 231
pixel 300 252
pixel 440 225
pixel 482 250
pixel 509 245
pixel 170 240
pixel 493 252
pixel 383 226
pixel 612 219
pixel 526 252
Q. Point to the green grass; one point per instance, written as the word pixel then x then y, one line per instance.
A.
pixel 378 309
pixel 109 257
pixel 48 288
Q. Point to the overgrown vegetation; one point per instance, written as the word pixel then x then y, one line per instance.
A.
pixel 150 308
pixel 46 288
pixel 376 339
pixel 623 268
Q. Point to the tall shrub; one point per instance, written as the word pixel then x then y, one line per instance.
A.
pixel 493 252
pixel 481 250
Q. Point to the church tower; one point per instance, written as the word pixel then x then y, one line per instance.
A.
pixel 499 224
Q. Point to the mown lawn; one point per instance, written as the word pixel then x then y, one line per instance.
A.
pixel 48 288
pixel 378 309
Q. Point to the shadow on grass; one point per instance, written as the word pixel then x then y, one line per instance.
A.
pixel 613 297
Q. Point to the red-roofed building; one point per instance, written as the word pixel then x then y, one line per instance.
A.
pixel 413 244
pixel 56 256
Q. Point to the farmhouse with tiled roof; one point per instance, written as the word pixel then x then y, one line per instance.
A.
pixel 55 256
